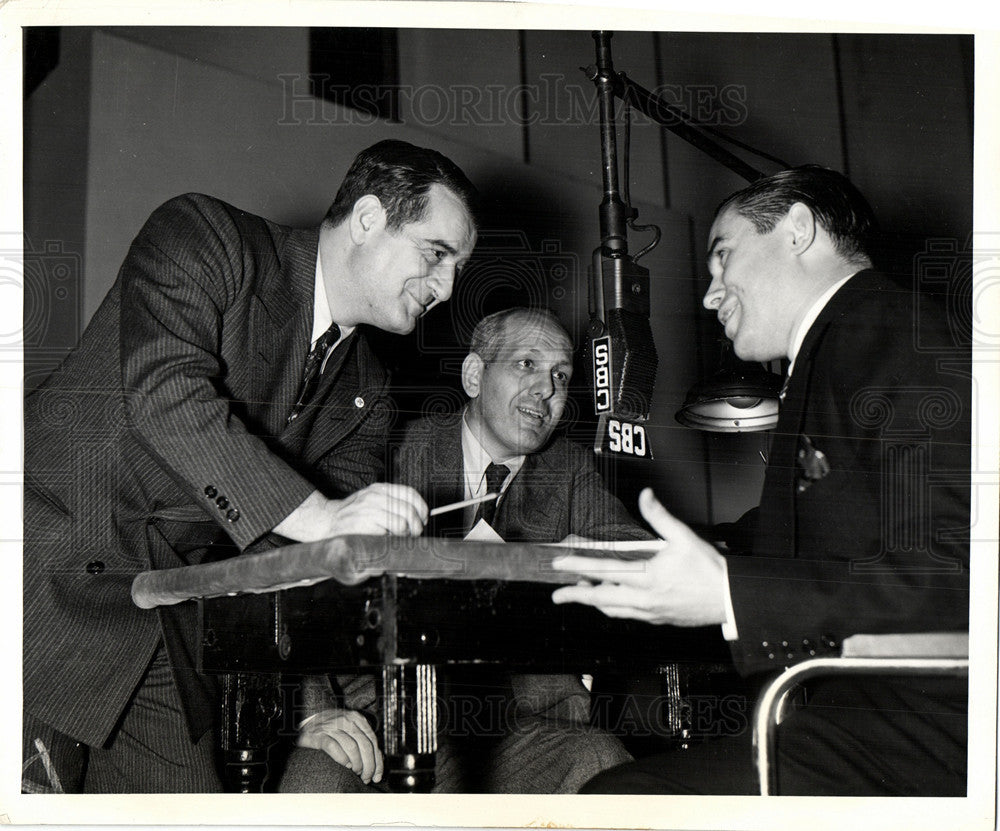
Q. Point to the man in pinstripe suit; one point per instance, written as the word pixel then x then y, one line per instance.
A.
pixel 183 424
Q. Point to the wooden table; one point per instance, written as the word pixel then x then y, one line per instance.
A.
pixel 401 608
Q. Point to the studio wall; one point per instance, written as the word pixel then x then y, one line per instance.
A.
pixel 132 116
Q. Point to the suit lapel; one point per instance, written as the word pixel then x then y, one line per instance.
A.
pixel 775 536
pixel 446 465
pixel 332 412
pixel 776 532
pixel 346 396
pixel 531 508
pixel 281 322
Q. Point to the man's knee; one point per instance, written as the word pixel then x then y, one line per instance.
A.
pixel 313 771
pixel 591 751
pixel 545 756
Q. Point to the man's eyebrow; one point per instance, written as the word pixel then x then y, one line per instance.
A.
pixel 447 246
pixel 712 246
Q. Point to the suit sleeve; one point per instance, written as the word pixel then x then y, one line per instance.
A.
pixel 181 282
pixel 879 543
pixel 595 512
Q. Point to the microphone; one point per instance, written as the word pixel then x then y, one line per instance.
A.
pixel 619 336
pixel 621 345
pixel 622 356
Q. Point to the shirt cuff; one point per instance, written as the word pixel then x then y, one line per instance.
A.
pixel 305 721
pixel 729 631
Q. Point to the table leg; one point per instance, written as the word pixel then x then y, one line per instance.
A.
pixel 408 694
pixel 251 706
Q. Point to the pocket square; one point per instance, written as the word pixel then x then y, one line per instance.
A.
pixel 812 462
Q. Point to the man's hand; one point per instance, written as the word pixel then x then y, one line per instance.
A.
pixel 380 508
pixel 347 738
pixel 681 584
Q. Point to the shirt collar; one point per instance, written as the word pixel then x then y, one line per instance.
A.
pixel 810 319
pixel 475 459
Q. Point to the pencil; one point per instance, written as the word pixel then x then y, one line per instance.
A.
pixel 454 506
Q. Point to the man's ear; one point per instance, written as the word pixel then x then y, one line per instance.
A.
pixel 472 374
pixel 367 216
pixel 802 226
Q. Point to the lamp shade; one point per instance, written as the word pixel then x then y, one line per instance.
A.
pixel 741 397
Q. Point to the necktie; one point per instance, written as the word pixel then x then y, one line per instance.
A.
pixel 496 475
pixel 310 372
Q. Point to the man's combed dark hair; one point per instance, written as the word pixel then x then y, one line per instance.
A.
pixel 490 334
pixel 400 175
pixel 838 206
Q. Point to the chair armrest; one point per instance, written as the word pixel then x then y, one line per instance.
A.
pixel 909 645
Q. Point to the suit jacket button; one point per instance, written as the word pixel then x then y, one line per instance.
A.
pixel 222 502
pixel 359 402
pixel 95 567
pixel 232 515
pixel 210 491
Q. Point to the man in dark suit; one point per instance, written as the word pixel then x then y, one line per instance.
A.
pixel 862 522
pixel 517 375
pixel 223 397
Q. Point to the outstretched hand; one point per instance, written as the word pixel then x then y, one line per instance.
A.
pixel 681 584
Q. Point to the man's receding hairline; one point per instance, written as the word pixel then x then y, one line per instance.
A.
pixel 491 349
pixel 537 317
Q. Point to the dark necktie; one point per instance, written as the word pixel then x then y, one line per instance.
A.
pixel 496 475
pixel 310 372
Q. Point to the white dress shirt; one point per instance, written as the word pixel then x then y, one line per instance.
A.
pixel 475 460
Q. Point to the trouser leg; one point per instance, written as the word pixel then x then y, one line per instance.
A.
pixel 716 766
pixel 313 771
pixel 151 750
pixel 884 737
pixel 550 756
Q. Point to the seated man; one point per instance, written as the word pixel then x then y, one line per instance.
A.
pixel 861 525
pixel 517 377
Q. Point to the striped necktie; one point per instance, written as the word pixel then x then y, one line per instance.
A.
pixel 310 372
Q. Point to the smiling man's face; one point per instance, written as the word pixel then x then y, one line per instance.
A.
pixel 399 274
pixel 750 290
pixel 518 398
